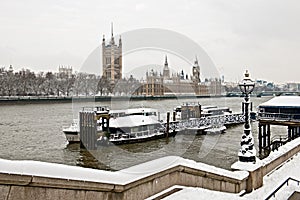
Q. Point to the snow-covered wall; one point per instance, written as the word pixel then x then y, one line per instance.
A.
pixel 278 157
pixel 39 180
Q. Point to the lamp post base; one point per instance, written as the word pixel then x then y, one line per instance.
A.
pixel 247 159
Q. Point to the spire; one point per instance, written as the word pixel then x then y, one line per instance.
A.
pixel 196 61
pixel 166 61
pixel 103 40
pixel 112 40
pixel 120 40
pixel 112 30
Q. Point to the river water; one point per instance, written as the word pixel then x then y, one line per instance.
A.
pixel 34 132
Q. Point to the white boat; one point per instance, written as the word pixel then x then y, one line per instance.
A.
pixel 133 129
pixel 125 126
pixel 72 132
pixel 194 111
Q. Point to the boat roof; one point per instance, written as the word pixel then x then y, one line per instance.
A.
pixel 282 101
pixel 134 110
pixel 140 110
pixel 132 121
pixel 216 108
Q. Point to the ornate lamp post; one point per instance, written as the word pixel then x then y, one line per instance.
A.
pixel 247 152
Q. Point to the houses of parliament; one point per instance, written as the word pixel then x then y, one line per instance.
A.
pixel 157 83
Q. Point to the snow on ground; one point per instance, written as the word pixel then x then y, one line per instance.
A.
pixel 271 182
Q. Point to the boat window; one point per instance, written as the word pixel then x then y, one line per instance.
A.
pixel 135 129
pixel 151 127
pixel 145 128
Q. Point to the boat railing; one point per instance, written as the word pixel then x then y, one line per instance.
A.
pixel 278 116
pixel 95 109
pixel 144 133
pixel 135 134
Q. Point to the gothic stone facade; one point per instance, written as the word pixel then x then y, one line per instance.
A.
pixel 112 59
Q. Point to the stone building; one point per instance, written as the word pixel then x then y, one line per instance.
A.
pixel 65 71
pixel 153 85
pixel 196 72
pixel 157 84
pixel 112 59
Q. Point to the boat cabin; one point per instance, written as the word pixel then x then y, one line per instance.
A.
pixel 133 126
pixel 214 110
pixel 133 111
pixel 190 110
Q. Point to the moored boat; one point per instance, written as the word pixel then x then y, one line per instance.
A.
pixel 125 126
pixel 72 132
pixel 133 129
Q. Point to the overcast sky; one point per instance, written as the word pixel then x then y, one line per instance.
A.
pixel 262 36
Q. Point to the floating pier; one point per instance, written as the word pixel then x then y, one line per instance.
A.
pixel 281 111
pixel 94 123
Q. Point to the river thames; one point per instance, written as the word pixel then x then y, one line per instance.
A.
pixel 34 132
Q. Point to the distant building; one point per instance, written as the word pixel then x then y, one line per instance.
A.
pixel 157 84
pixel 293 87
pixel 196 72
pixel 166 72
pixel 153 85
pixel 10 69
pixel 215 87
pixel 112 59
pixel 65 71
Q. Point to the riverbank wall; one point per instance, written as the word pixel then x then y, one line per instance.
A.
pixel 35 100
pixel 39 180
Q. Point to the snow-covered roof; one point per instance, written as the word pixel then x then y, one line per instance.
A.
pixel 132 121
pixel 282 101
pixel 140 110
pixel 134 110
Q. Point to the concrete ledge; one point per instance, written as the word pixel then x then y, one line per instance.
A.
pixel 38 179
pixel 14 179
pixel 262 167
pixel 277 158
pixel 70 184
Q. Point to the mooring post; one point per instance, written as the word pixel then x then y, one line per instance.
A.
pixel 293 133
pixel 269 134
pixel 200 111
pixel 260 139
pixel 168 124
pixel 174 116
pixel 289 133
pixel 81 122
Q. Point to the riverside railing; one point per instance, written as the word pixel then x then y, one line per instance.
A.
pixel 279 187
pixel 207 121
